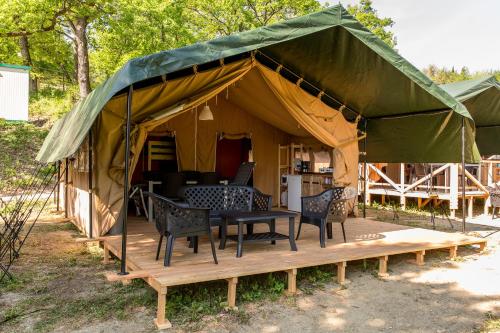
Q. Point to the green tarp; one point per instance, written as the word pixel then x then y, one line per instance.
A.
pixel 410 119
pixel 482 99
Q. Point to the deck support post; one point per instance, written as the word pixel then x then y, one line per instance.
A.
pixel 453 252
pixel 470 207
pixel 402 198
pixel 420 258
pixel 123 268
pixel 105 260
pixel 160 321
pixel 382 266
pixel 482 246
pixel 341 272
pixel 231 293
pixel 292 281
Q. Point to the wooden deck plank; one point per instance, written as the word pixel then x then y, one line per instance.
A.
pixel 366 239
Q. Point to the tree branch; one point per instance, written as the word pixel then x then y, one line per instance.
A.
pixel 50 27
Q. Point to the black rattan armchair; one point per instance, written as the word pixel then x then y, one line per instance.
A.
pixel 262 202
pixel 324 209
pixel 494 199
pixel 174 221
pixel 243 174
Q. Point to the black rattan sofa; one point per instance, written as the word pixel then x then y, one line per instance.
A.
pixel 220 198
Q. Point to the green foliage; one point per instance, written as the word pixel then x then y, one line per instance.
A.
pixel 19 143
pixel 212 18
pixel 445 75
pixel 136 28
pixel 50 104
pixel 368 16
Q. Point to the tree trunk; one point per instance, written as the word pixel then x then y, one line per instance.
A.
pixel 79 27
pixel 26 55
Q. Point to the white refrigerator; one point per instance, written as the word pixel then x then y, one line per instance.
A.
pixel 294 183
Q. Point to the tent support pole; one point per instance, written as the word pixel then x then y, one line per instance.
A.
pixel 123 269
pixel 58 192
pixel 66 180
pixel 463 175
pixel 364 172
pixel 90 185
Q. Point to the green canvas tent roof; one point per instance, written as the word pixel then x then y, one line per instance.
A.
pixel 409 118
pixel 482 99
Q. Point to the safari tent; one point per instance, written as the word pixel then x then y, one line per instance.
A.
pixel 321 78
pixel 482 99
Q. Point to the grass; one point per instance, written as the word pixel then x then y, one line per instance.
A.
pixel 491 324
pixel 68 283
pixel 50 104
pixel 21 140
pixel 19 144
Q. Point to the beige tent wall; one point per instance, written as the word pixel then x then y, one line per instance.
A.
pixel 230 119
pixel 245 97
pixel 78 195
pixel 78 199
pixel 147 104
pixel 323 122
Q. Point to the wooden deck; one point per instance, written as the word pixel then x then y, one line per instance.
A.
pixel 366 239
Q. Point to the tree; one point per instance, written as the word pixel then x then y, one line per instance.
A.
pixel 81 15
pixel 368 16
pixel 23 19
pixel 136 28
pixel 444 75
pixel 213 18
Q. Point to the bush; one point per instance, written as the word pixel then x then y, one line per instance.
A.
pixel 50 104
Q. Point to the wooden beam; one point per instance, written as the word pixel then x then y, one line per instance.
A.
pixel 161 322
pixel 474 180
pixel 341 272
pixel 140 274
pixel 453 252
pixel 89 240
pixel 105 261
pixel 231 293
pixel 292 281
pixel 420 258
pixel 470 207
pixel 382 266
pixel 427 177
pixel 425 202
pixel 384 176
pixel 482 246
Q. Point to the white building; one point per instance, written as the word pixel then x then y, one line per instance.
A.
pixel 14 92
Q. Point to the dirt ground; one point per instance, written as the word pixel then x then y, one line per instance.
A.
pixel 60 287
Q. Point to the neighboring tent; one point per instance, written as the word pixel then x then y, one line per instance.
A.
pixel 298 77
pixel 482 99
